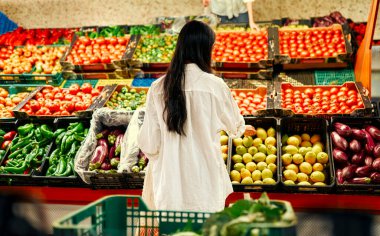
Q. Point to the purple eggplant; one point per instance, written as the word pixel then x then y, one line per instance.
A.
pixel 112 152
pixel 375 177
pixel 363 171
pixel 118 142
pixel 348 172
pixel 376 164
pixel 102 142
pixel 342 129
pixel 355 146
pixel 106 166
pixel 373 131
pixel 339 141
pixel 100 153
pixel 103 134
pixel 376 151
pixel 358 134
pixel 339 176
pixel 368 161
pixel 360 180
pixel 370 144
pixel 340 156
pixel 358 158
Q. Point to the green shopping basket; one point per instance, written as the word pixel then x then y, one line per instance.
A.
pixel 126 215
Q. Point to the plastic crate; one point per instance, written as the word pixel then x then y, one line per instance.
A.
pixel 142 82
pixel 128 215
pixel 68 181
pixel 334 77
pixel 6 25
pixel 355 122
pixel 31 79
pixel 69 82
pixel 298 78
pixel 264 123
pixel 298 126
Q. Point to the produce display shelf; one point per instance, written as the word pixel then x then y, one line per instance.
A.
pixel 300 201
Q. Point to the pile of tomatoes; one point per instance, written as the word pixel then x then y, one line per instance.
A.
pixel 61 102
pixel 7 103
pixel 312 43
pixel 249 102
pixel 98 50
pixel 240 46
pixel 5 52
pixel 329 100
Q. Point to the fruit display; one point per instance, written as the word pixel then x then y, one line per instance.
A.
pixel 321 100
pixel 126 98
pixel 33 60
pixel 304 160
pixel 231 28
pixel 155 48
pixel 66 144
pixel 28 149
pixel 294 24
pixel 145 30
pixel 58 101
pixel 312 43
pixel 9 102
pixel 106 156
pixel 5 53
pixel 250 101
pixel 359 29
pixel 224 146
pixel 240 46
pixel 88 50
pixel 5 140
pixel 254 158
pixel 141 164
pixel 36 37
pixel 356 152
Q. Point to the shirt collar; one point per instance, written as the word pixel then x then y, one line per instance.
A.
pixel 192 67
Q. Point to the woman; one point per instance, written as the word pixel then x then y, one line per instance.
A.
pixel 233 11
pixel 185 111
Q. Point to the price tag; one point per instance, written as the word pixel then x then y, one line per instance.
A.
pixel 105 82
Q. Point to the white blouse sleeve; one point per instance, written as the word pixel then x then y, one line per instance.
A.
pixel 149 138
pixel 232 121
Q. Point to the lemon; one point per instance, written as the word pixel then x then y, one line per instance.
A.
pixel 235 176
pixel 306 168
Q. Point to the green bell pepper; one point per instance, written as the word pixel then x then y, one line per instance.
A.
pixel 25 129
pixel 46 132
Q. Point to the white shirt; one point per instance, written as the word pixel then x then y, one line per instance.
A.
pixel 187 173
pixel 230 8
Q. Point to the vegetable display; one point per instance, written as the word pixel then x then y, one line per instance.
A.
pixel 356 153
pixel 22 36
pixel 87 50
pixel 254 158
pixel 106 156
pixel 66 142
pixel 304 160
pixel 58 101
pixel 249 102
pixel 5 140
pixel 240 46
pixel 126 98
pixel 224 145
pixel 33 60
pixel 320 100
pixel 28 149
pixel 155 48
pixel 145 30
pixel 312 43
pixel 334 18
pixel 8 102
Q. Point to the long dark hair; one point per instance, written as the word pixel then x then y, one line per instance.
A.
pixel 194 45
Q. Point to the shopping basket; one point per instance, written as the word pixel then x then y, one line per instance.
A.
pixel 126 215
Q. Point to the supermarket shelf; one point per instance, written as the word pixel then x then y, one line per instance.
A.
pixel 300 202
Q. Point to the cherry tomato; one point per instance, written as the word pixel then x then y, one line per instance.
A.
pixel 74 89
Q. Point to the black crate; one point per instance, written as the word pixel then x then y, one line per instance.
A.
pixel 25 179
pixel 68 181
pixel 264 123
pixel 135 180
pixel 297 126
pixel 355 122
pixel 108 181
pixel 375 109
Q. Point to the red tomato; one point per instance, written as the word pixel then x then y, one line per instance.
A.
pixel 39 95
pixel 46 90
pixel 59 96
pixel 49 96
pixel 86 88
pixel 34 105
pixel 334 90
pixel 56 90
pixel 65 113
pixel 74 89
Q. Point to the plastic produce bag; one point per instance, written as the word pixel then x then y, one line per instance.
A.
pixel 103 117
pixel 130 156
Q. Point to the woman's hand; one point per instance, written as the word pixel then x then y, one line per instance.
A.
pixel 253 26
pixel 249 130
pixel 206 3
